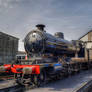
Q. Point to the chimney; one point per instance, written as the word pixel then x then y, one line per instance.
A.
pixel 40 27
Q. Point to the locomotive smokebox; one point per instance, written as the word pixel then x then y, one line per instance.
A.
pixel 34 41
pixel 40 27
pixel 59 35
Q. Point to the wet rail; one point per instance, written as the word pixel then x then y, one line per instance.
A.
pixel 87 87
pixel 12 89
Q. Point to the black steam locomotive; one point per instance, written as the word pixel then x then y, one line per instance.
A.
pixel 46 52
pixel 39 42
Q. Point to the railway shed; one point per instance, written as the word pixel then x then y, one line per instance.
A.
pixel 87 40
pixel 8 48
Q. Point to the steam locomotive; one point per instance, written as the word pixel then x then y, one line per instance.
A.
pixel 38 41
pixel 45 51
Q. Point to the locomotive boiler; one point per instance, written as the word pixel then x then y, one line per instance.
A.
pixel 39 42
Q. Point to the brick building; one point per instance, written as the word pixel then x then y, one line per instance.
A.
pixel 87 40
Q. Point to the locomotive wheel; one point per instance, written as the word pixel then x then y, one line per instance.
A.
pixel 21 81
pixel 40 79
pixel 69 70
pixel 58 77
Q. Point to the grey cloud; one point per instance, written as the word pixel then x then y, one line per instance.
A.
pixel 73 17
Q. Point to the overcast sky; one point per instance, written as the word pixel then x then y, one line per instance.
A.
pixel 72 17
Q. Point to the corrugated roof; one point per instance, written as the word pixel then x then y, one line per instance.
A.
pixel 85 34
pixel 9 35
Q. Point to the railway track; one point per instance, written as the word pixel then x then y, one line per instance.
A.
pixel 18 88
pixel 6 77
pixel 11 86
pixel 12 89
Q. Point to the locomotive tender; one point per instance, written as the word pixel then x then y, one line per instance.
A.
pixel 44 50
